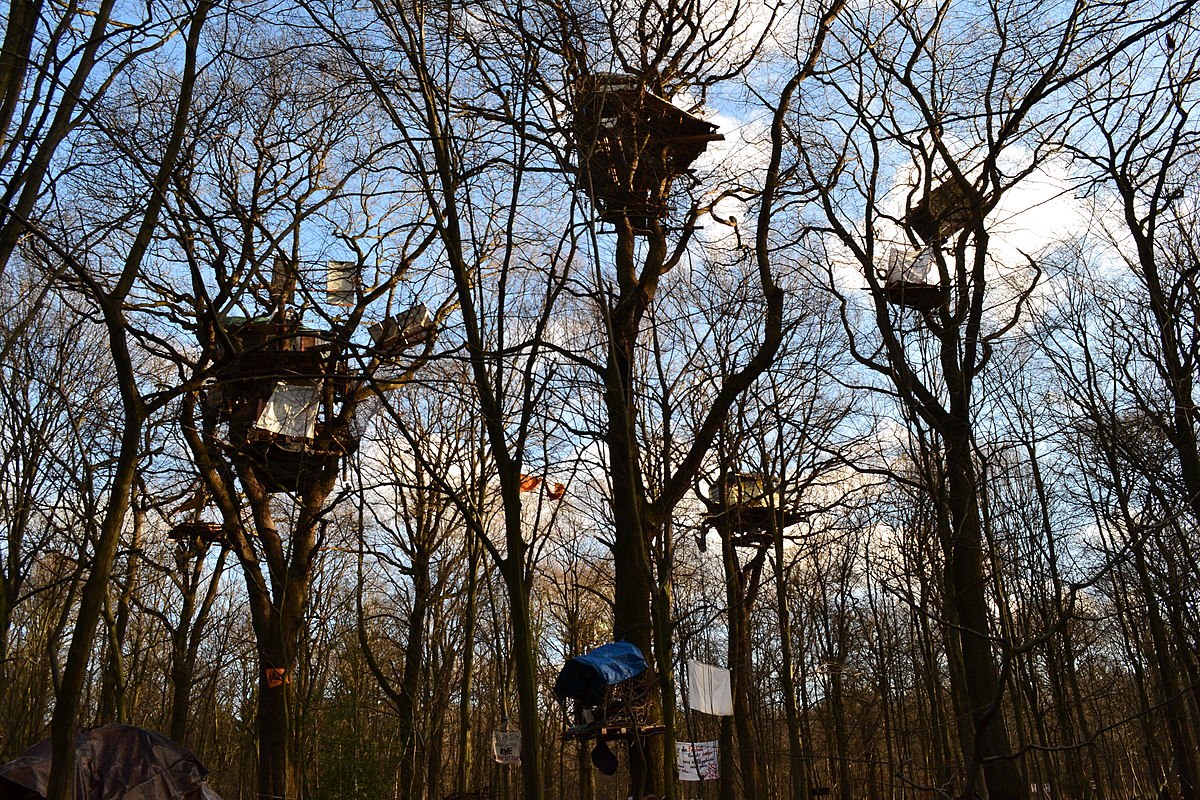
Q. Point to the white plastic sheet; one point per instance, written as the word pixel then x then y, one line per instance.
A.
pixel 698 761
pixel 709 689
pixel 902 270
pixel 341 283
pixel 291 410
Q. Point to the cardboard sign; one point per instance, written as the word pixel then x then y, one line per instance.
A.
pixel 506 747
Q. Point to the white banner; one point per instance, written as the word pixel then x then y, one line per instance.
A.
pixel 709 689
pixel 291 410
pixel 341 283
pixel 698 761
pixel 506 747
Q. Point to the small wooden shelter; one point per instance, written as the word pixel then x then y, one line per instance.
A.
pixel 632 144
pixel 944 211
pixel 401 331
pixel 941 213
pixel 613 691
pixel 906 281
pixel 196 535
pixel 279 386
pixel 744 506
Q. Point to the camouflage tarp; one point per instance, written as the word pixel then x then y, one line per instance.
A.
pixel 114 762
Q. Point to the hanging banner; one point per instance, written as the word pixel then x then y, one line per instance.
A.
pixel 709 689
pixel 291 410
pixel 506 747
pixel 698 761
pixel 341 283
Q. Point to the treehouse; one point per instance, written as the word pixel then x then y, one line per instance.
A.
pixel 632 145
pixel 196 535
pixel 283 388
pixel 613 690
pixel 279 386
pixel 906 282
pixel 940 214
pixel 744 507
pixel 401 331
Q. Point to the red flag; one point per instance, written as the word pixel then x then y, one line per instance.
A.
pixel 529 483
pixel 557 493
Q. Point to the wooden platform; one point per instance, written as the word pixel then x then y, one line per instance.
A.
pixel 941 213
pixel 910 294
pixel 610 733
pixel 632 144
pixel 197 533
pixel 752 525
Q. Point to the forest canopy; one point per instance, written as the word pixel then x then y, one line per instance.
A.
pixel 363 363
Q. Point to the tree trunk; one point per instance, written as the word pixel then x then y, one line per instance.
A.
pixel 66 707
pixel 1174 705
pixel 797 762
pixel 414 650
pixel 981 689
pixel 463 768
pixel 741 590
pixel 525 662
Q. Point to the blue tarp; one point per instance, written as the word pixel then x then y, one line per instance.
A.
pixel 585 678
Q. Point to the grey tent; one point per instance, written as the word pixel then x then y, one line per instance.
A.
pixel 113 762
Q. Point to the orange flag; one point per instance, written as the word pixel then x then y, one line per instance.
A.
pixel 529 483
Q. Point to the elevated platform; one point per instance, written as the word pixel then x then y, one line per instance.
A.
pixel 752 526
pixel 610 732
pixel 913 294
pixel 279 387
pixel 197 534
pixel 940 214
pixel 632 144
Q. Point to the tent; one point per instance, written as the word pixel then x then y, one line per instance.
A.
pixel 113 762
pixel 586 678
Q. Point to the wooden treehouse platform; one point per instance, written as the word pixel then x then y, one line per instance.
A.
pixel 940 214
pixel 632 144
pixel 915 294
pixel 197 535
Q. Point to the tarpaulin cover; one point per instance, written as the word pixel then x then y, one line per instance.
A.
pixel 115 762
pixel 291 410
pixel 585 678
pixel 901 270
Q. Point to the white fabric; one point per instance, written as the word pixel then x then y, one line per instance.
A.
pixel 918 270
pixel 341 283
pixel 901 270
pixel 698 761
pixel 291 410
pixel 709 689
pixel 506 747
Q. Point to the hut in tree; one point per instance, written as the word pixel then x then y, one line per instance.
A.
pixel 906 281
pixel 940 214
pixel 279 386
pixel 632 144
pixel 744 506
pixel 282 387
pixel 613 692
pixel 944 211
pixel 196 535
pixel 401 331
